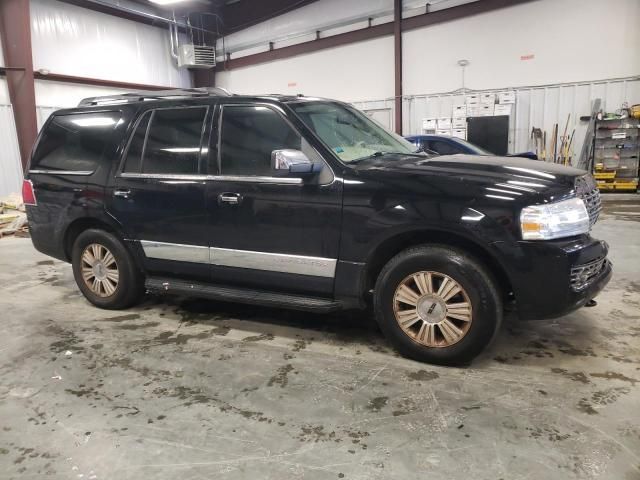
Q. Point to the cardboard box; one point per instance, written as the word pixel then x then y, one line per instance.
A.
pixel 488 98
pixel 429 124
pixel 507 97
pixel 473 110
pixel 459 111
pixel 459 123
pixel 502 109
pixel 472 99
pixel 444 123
pixel 444 132
pixel 459 133
pixel 486 110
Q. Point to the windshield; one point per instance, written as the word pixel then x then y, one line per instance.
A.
pixel 348 132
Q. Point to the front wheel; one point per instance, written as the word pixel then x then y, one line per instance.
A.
pixel 437 304
pixel 104 270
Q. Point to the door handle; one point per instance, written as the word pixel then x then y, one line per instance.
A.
pixel 230 198
pixel 121 193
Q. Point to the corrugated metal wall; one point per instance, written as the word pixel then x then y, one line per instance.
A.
pixel 10 167
pixel 536 106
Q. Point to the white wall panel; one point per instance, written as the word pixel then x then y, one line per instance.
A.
pixel 330 17
pixel 307 19
pixel 65 95
pixel 353 72
pixel 539 107
pixel 2 64
pixel 559 33
pixel 77 41
pixel 10 166
pixel 4 91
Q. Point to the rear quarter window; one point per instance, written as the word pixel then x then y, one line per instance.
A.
pixel 74 142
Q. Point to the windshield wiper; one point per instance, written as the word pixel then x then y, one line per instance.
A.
pixel 380 154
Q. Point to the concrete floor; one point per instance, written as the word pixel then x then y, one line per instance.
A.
pixel 191 389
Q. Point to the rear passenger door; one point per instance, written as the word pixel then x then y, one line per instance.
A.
pixel 158 195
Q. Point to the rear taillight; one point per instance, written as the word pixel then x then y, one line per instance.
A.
pixel 28 195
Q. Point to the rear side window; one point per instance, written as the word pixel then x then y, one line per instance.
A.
pixel 74 142
pixel 167 141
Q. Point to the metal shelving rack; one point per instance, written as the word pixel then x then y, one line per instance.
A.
pixel 616 150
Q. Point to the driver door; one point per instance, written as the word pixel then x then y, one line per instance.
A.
pixel 265 231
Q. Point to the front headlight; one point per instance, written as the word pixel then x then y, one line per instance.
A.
pixel 554 220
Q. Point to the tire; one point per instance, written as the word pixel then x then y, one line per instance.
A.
pixel 109 294
pixel 430 338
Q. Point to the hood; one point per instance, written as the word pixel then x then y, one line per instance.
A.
pixel 531 178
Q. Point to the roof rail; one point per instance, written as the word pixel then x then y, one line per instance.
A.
pixel 142 96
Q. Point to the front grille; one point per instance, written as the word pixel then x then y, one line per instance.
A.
pixel 583 275
pixel 587 190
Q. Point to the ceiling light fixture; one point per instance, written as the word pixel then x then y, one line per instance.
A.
pixel 167 2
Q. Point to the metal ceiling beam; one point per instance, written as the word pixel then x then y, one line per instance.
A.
pixel 418 21
pixel 308 47
pixel 15 31
pixel 397 53
pixel 240 15
pixel 60 77
pixel 126 13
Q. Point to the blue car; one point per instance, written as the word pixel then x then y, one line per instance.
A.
pixel 445 145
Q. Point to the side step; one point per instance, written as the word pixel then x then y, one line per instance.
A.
pixel 241 295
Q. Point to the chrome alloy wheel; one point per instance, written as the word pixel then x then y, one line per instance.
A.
pixel 432 309
pixel 100 270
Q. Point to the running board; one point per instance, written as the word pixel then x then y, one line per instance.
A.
pixel 241 295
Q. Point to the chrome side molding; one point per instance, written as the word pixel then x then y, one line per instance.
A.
pixel 175 251
pixel 218 178
pixel 227 257
pixel 62 172
pixel 274 262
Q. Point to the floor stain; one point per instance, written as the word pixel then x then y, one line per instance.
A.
pixel 550 433
pixel 376 404
pixel 122 318
pixel 614 376
pixel 575 376
pixel 281 378
pixel 138 326
pixel 258 338
pixel 421 375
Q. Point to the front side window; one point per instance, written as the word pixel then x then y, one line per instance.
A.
pixel 74 142
pixel 167 141
pixel 248 135
pixel 349 133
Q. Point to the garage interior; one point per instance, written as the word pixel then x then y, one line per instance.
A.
pixel 189 388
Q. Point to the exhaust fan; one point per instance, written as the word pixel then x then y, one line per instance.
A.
pixel 191 55
pixel 196 56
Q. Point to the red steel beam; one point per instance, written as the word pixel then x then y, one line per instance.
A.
pixel 15 31
pixel 397 48
pixel 308 47
pixel 99 82
pixel 418 21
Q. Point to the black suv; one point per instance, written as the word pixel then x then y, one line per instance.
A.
pixel 307 204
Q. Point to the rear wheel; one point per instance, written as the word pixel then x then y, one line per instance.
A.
pixel 104 270
pixel 437 304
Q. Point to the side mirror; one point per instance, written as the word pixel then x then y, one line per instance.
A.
pixel 293 162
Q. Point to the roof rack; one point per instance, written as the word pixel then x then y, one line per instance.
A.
pixel 142 96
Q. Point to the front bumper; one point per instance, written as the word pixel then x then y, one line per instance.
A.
pixel 554 278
